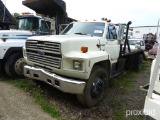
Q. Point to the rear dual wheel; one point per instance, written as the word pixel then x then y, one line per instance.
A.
pixel 95 88
pixel 138 62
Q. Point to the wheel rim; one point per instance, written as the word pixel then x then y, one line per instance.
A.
pixel 97 86
pixel 19 66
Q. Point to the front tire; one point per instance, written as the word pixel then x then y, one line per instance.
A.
pixel 95 88
pixel 14 65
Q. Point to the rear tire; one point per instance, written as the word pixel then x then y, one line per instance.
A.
pixel 138 62
pixel 95 88
pixel 14 65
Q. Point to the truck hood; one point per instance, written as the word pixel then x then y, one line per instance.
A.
pixel 63 38
pixel 13 34
pixel 71 43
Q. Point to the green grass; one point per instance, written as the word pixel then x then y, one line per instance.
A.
pixel 38 94
pixel 123 82
pixel 120 114
pixel 48 107
pixel 114 102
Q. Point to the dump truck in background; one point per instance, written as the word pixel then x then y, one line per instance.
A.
pixel 12 41
pixel 6 18
pixel 82 59
pixel 51 8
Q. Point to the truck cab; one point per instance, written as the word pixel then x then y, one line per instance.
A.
pixel 12 41
pixel 37 24
pixel 81 60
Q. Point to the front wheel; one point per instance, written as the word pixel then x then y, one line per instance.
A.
pixel 14 65
pixel 95 88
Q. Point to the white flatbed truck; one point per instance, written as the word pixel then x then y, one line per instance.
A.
pixel 82 59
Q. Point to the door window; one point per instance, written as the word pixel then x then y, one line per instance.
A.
pixel 111 34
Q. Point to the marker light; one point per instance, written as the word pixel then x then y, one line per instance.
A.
pixel 25 13
pixel 4 39
pixel 84 49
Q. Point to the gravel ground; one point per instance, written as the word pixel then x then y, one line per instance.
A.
pixel 132 99
pixel 18 105
pixel 15 104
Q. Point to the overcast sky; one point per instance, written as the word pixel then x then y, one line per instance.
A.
pixel 140 12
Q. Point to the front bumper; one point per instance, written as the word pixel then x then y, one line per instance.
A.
pixel 61 83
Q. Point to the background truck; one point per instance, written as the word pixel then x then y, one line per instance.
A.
pixel 6 18
pixel 12 41
pixel 82 59
pixel 51 8
pixel 149 39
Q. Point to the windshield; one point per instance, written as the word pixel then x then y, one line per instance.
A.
pixel 85 28
pixel 134 42
pixel 29 24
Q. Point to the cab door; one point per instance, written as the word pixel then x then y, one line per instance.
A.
pixel 112 46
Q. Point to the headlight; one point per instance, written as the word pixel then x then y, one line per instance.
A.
pixel 77 65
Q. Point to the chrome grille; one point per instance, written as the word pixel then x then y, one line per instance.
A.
pixel 45 53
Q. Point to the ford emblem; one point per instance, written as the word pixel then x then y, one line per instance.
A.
pixel 40 53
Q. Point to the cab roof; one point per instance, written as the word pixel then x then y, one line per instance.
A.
pixel 29 16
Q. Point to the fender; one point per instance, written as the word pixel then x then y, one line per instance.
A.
pixel 11 51
pixel 102 59
pixel 91 58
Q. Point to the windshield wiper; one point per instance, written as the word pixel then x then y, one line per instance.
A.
pixel 82 34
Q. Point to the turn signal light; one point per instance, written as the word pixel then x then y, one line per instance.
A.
pixel 84 49
pixel 4 39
